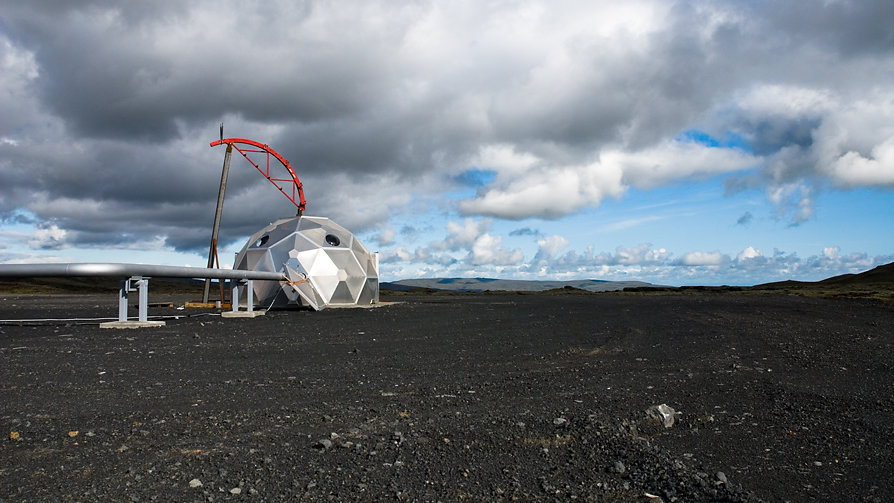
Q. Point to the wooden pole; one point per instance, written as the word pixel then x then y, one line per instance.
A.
pixel 215 230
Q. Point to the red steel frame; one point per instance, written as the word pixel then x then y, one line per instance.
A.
pixel 297 188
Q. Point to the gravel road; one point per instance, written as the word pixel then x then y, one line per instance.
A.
pixel 453 397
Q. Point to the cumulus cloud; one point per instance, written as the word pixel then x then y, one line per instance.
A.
pixel 386 237
pixel 467 242
pixel 808 136
pixel 483 248
pixel 488 250
pixel 419 255
pixel 793 200
pixel 697 258
pixel 463 235
pixel 49 237
pixel 548 260
pixel 550 246
pixel 876 169
pixel 749 253
pixel 535 187
pixel 638 255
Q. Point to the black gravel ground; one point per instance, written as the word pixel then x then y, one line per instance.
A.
pixel 446 398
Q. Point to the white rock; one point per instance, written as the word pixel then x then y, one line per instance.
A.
pixel 663 413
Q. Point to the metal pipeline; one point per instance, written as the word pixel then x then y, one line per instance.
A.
pixel 127 270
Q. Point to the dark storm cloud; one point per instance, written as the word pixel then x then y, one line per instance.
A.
pixel 125 71
pixel 849 28
pixel 108 107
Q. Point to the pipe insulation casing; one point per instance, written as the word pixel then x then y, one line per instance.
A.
pixel 126 270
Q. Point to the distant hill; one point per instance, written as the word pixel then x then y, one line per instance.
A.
pixel 510 285
pixel 877 283
pixel 881 275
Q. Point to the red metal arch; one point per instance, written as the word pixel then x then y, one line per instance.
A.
pixel 297 190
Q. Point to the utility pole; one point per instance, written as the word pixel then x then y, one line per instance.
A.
pixel 212 252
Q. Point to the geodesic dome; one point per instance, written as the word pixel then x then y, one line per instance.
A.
pixel 325 263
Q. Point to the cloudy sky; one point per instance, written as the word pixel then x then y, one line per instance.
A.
pixel 702 142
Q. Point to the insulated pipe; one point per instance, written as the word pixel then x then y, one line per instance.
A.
pixel 127 270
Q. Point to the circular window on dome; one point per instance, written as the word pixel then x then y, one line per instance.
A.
pixel 332 240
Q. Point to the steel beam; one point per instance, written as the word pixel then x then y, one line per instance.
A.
pixel 122 299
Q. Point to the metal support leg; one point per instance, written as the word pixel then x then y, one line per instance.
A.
pixel 122 299
pixel 133 284
pixel 250 301
pixel 143 284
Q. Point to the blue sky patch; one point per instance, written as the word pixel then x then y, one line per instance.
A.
pixel 729 139
pixel 476 177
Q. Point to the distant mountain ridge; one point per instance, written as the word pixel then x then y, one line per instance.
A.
pixel 877 283
pixel 510 285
